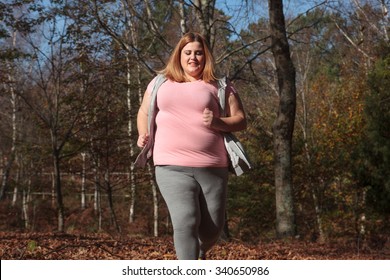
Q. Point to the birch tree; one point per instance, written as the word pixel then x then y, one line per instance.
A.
pixel 205 10
pixel 13 100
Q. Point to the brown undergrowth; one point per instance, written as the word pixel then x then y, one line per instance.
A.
pixel 52 246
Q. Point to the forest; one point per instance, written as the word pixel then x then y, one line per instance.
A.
pixel 72 76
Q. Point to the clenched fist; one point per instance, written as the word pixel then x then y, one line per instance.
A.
pixel 208 117
pixel 142 140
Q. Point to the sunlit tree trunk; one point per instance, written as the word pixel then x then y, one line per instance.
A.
pixel 25 217
pixel 183 18
pixel 130 128
pixel 283 126
pixel 16 187
pixel 25 202
pixel 15 195
pixel 385 20
pixel 130 132
pixel 83 88
pixel 205 14
pixel 97 197
pixel 155 205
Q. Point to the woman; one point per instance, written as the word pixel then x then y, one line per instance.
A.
pixel 188 150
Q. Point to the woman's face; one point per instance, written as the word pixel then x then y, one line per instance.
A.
pixel 192 60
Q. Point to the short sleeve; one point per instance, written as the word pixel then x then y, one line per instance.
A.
pixel 230 89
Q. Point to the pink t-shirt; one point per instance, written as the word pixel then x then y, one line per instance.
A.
pixel 181 137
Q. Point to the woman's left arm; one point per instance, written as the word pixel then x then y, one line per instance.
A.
pixel 235 119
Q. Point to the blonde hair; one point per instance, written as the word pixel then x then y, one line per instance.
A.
pixel 174 71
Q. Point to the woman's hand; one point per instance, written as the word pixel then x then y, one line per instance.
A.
pixel 142 140
pixel 208 117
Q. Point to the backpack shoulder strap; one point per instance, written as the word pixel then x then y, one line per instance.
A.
pixel 160 79
pixel 222 94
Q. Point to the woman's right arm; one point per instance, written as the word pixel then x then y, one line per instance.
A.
pixel 142 121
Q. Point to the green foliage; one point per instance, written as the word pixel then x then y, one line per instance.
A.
pixel 31 245
pixel 374 171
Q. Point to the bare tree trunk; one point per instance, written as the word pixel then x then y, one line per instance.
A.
pixel 25 202
pixel 16 188
pixel 108 187
pixel 318 211
pixel 83 88
pixel 58 191
pixel 97 200
pixel 283 126
pixel 130 132
pixel 386 22
pixel 25 216
pixel 15 195
pixel 53 191
pixel 12 154
pixel 155 205
pixel 183 18
pixel 205 14
pixel 130 129
pixel 360 217
pixel 97 207
pixel 83 188
pixel 5 175
pixel 132 202
pixel 313 188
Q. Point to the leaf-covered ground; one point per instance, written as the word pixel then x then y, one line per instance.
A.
pixel 42 246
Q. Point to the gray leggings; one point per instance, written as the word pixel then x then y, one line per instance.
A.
pixel 196 200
